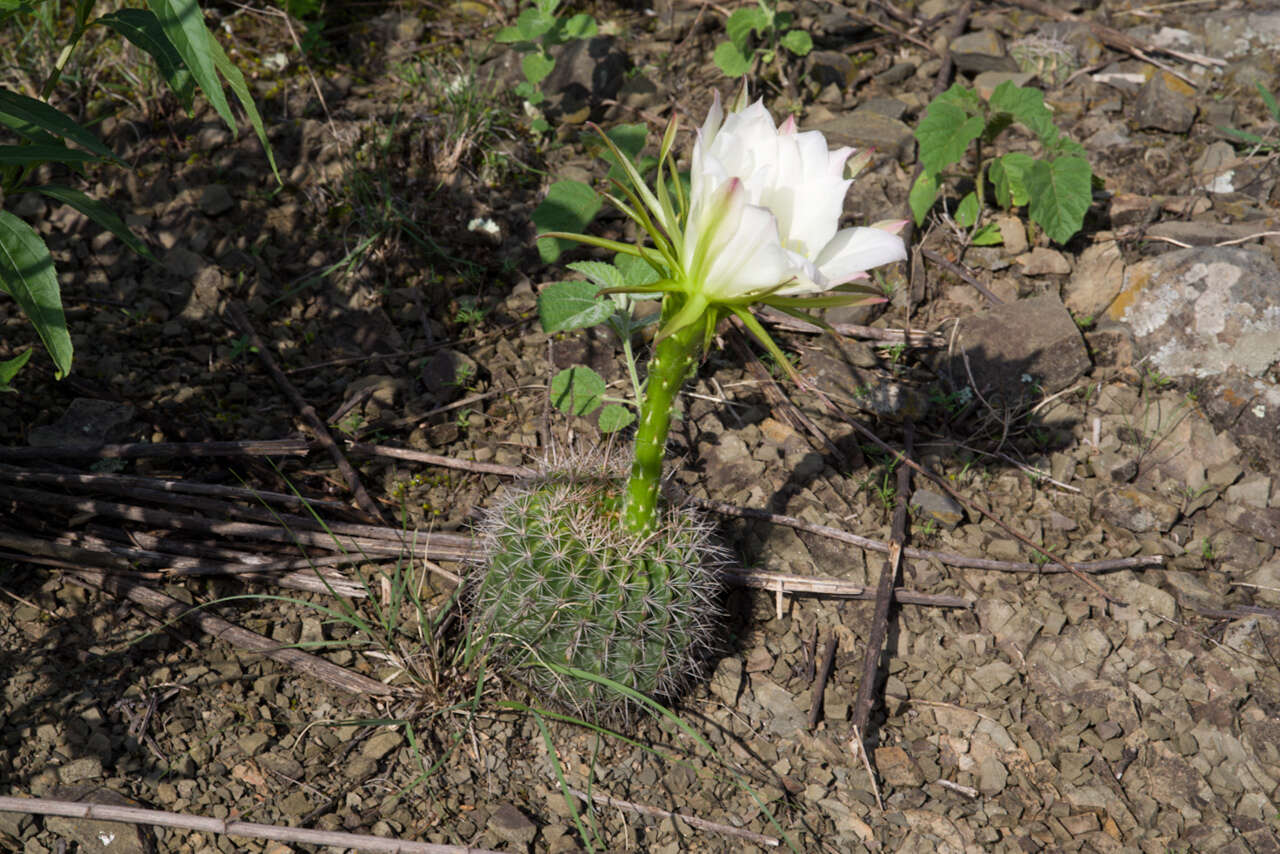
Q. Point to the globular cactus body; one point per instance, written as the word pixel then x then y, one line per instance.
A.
pixel 564 583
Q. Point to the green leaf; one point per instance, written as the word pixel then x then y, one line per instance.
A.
pixel 569 206
pixel 732 60
pixel 28 155
pixel 580 26
pixel 924 192
pixel 635 270
pixel 798 42
pixel 967 211
pixel 143 29
pixel 10 367
pixel 509 35
pixel 741 23
pixel 99 213
pixel 962 97
pixel 182 22
pixel 1269 100
pixel 40 123
pixel 1027 106
pixel 1061 193
pixel 536 66
pixel 599 273
pixel 572 305
pixel 988 235
pixel 614 417
pixel 27 274
pixel 944 135
pixel 534 23
pixel 577 390
pixel 1008 174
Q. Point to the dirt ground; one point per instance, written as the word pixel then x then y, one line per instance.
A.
pixel 392 279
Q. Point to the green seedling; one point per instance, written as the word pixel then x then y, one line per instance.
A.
pixel 1056 188
pixel 536 31
pixel 1259 143
pixel 759 33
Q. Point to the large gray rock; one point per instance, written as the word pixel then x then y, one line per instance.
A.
pixel 1212 315
pixel 866 128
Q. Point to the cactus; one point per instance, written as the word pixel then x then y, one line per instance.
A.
pixel 563 582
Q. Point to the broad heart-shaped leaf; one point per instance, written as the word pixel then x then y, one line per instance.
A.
pixel 924 192
pixel 740 24
pixel 38 122
pixel 599 273
pixel 614 417
pixel 533 23
pixel 9 369
pixel 798 42
pixel 536 66
pixel 732 60
pixel 962 97
pixel 1061 192
pixel 1008 174
pixel 572 305
pixel 1027 106
pixel 508 35
pixel 944 135
pixel 99 213
pixel 569 206
pixel 27 275
pixel 28 155
pixel 635 270
pixel 577 390
pixel 967 211
pixel 142 27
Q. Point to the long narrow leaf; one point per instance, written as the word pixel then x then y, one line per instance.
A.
pixel 143 29
pixel 236 81
pixel 99 213
pixel 27 275
pixel 183 25
pixel 27 155
pixel 37 121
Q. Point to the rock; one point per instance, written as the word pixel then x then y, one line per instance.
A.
pixel 1213 314
pixel 1096 281
pixel 77 770
pixel 981 51
pixel 511 824
pixel 215 199
pixel 92 835
pixel 1202 233
pixel 1254 491
pixel 987 82
pixel 1132 209
pixel 87 423
pixel 781 713
pixel 942 509
pixel 447 373
pixel 726 682
pixel 1134 510
pixel 992 776
pixel 1212 171
pixel 587 73
pixel 1012 232
pixel 1165 103
pixel 253 743
pixel 1231 35
pixel 380 744
pixel 898 768
pixel 1047 348
pixel 1043 262
pixel 831 67
pixel 867 129
pixel 1267 579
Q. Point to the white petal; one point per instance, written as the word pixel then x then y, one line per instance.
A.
pixel 856 250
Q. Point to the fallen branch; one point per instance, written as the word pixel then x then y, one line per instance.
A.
pixel 296 447
pixel 780 582
pixel 225 827
pixel 172 610
pixel 691 820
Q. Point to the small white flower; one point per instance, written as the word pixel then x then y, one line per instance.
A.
pixel 1259 411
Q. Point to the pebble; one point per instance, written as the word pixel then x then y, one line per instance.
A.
pixel 380 744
